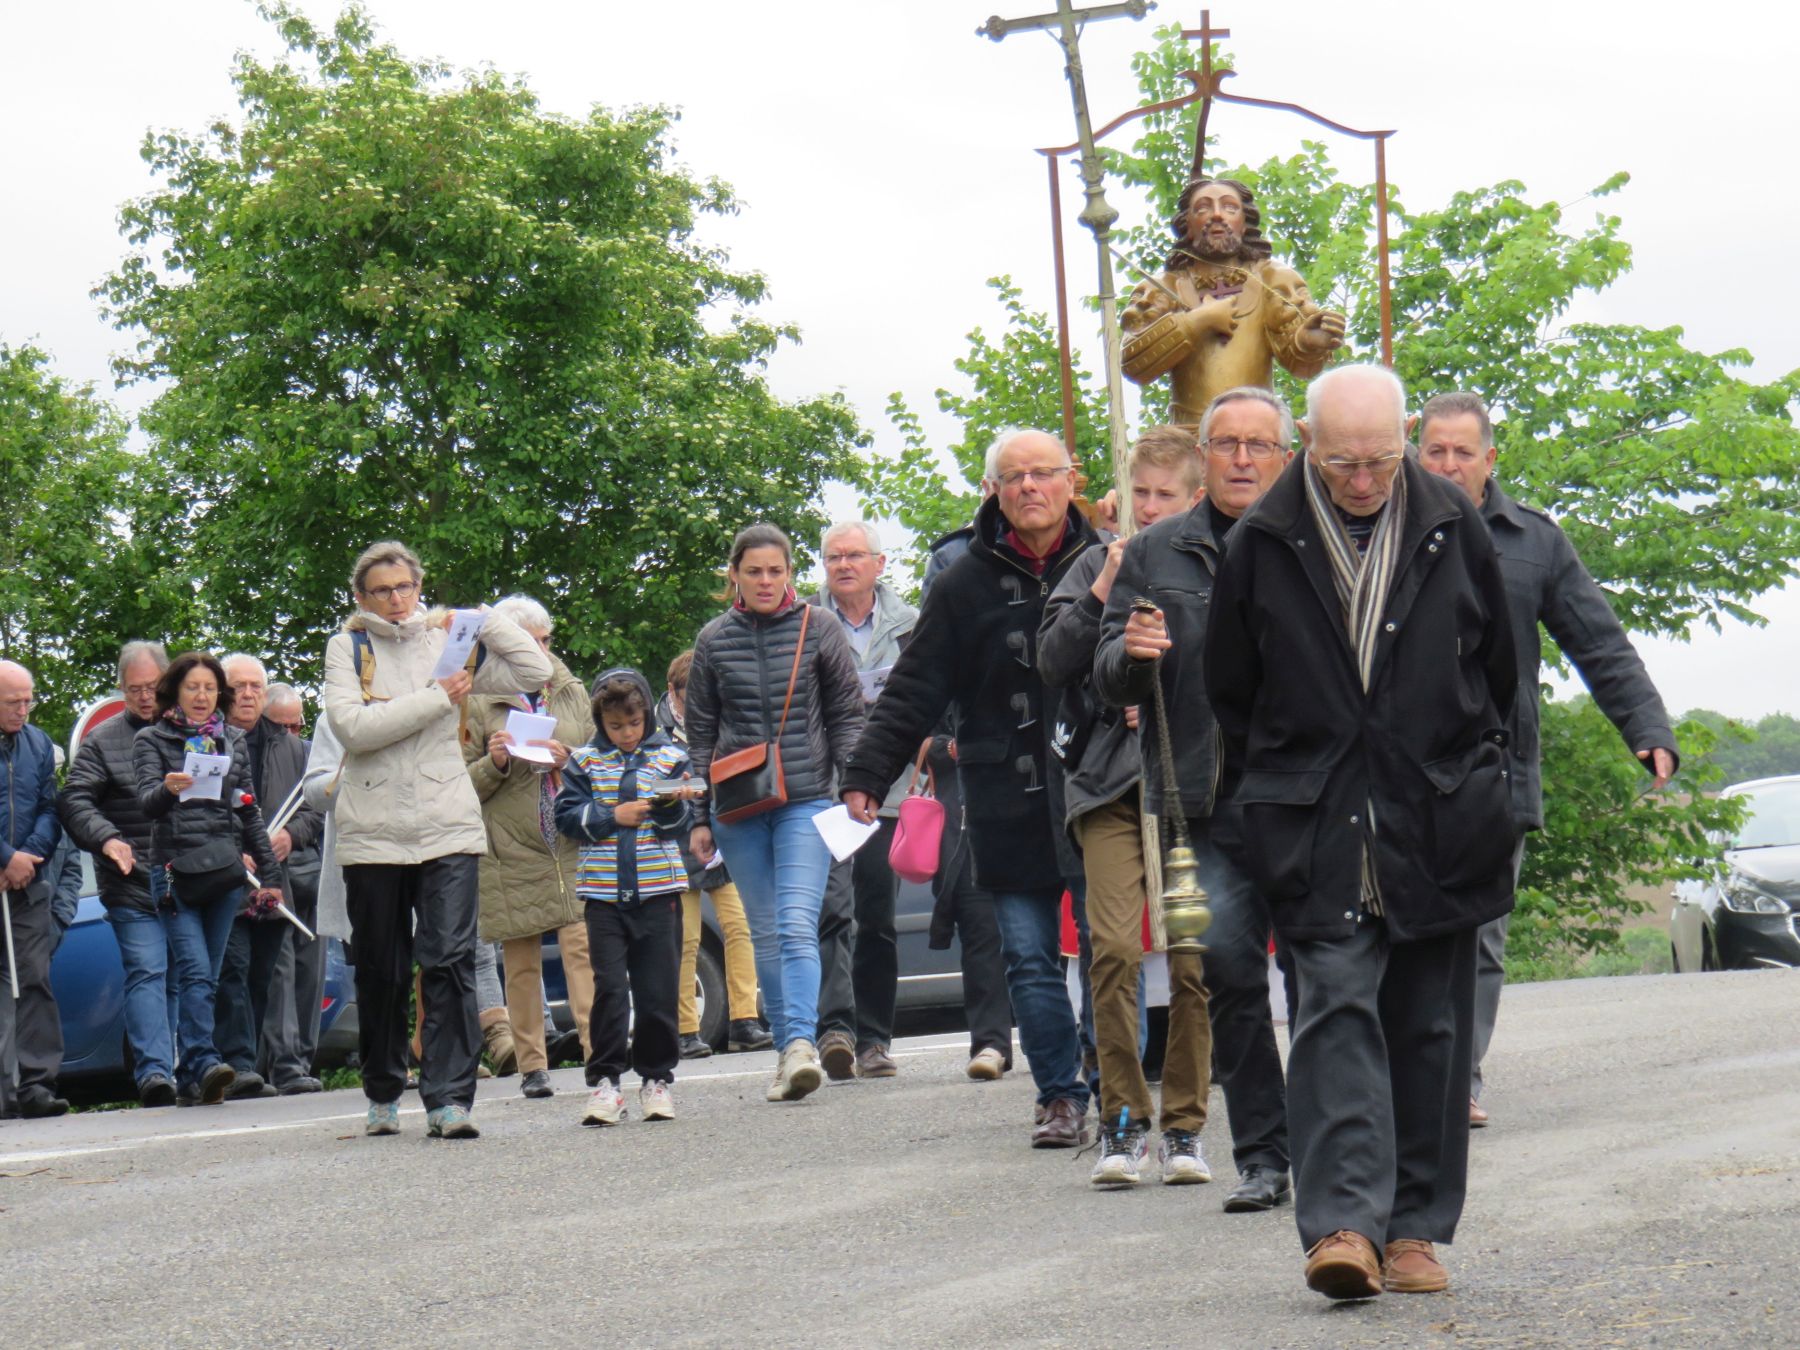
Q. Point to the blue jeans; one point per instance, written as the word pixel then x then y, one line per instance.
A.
pixel 150 1002
pixel 199 937
pixel 780 864
pixel 1030 933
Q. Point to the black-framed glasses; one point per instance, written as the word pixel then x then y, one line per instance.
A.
pixel 404 590
pixel 1226 447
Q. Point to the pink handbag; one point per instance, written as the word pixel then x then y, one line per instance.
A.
pixel 919 833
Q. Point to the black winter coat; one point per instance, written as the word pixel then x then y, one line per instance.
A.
pixel 738 680
pixel 1308 754
pixel 179 826
pixel 1545 582
pixel 1171 563
pixel 974 651
pixel 99 803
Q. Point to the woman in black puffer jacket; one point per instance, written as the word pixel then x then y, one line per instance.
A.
pixel 197 847
pixel 736 687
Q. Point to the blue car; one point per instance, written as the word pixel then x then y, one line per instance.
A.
pixel 89 982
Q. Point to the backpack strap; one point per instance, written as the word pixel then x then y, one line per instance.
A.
pixel 362 654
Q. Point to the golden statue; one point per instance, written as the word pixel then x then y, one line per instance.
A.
pixel 1222 313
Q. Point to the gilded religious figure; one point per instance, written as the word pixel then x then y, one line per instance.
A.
pixel 1222 313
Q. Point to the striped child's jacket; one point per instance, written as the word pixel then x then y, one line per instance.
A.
pixel 623 862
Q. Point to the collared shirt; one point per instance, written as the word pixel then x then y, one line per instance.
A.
pixel 860 634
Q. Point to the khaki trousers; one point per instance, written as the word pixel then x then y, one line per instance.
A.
pixel 524 959
pixel 740 958
pixel 1112 845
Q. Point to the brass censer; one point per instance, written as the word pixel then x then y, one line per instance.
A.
pixel 1186 914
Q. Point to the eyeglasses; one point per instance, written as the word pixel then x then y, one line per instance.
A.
pixel 1226 447
pixel 1013 478
pixel 1379 466
pixel 854 559
pixel 404 591
pixel 140 690
pixel 21 704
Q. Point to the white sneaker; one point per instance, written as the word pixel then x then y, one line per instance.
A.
pixel 1182 1162
pixel 1123 1149
pixel 655 1101
pixel 799 1074
pixel 988 1066
pixel 605 1106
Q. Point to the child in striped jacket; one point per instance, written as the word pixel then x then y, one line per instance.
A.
pixel 630 880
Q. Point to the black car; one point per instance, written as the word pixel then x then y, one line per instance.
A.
pixel 1746 915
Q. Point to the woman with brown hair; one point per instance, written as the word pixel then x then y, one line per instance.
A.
pixel 197 849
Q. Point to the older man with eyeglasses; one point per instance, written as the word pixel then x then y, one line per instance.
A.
pixel 1359 658
pixel 1246 440
pixel 858 949
pixel 973 653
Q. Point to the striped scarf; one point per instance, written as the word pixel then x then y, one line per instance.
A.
pixel 1362 581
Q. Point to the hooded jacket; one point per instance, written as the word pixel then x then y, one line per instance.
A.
pixel 405 796
pixel 99 803
pixel 624 863
pixel 736 685
pixel 527 881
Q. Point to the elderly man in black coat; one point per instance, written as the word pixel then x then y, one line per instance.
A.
pixel 1359 660
pixel 974 653
pixel 1545 583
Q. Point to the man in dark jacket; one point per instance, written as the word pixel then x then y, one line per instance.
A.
pixel 30 1030
pixel 1545 583
pixel 258 1034
pixel 973 651
pixel 1098 750
pixel 99 808
pixel 1246 438
pixel 1360 661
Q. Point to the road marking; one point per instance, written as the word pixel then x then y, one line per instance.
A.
pixel 914 1050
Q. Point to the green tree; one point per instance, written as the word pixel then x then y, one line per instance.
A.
pixel 1674 475
pixel 394 301
pixel 1765 749
pixel 72 584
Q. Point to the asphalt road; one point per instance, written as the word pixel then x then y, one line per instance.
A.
pixel 1638 1187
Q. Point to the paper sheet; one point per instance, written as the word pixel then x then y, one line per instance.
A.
pixel 525 727
pixel 208 773
pixel 842 835
pixel 873 681
pixel 465 631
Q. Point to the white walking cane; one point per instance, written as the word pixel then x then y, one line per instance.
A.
pixel 12 965
pixel 280 820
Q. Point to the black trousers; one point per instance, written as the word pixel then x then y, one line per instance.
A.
pixel 859 955
pixel 426 912
pixel 309 979
pixel 1378 1085
pixel 30 1028
pixel 255 980
pixel 635 948
pixel 986 1003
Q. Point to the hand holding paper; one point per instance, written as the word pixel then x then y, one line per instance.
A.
pixel 524 728
pixel 208 773
pixel 464 631
pixel 842 835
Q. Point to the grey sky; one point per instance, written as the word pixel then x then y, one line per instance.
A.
pixel 883 155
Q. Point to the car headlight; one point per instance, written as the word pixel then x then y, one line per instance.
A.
pixel 1745 897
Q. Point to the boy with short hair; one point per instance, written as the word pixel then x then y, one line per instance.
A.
pixel 630 881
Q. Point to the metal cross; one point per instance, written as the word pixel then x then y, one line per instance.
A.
pixel 1205 33
pixel 1097 214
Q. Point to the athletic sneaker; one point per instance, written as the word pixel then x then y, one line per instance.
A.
pixel 1123 1149
pixel 606 1105
pixel 656 1101
pixel 1182 1162
pixel 384 1118
pixel 450 1122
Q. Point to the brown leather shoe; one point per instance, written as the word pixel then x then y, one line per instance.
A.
pixel 874 1061
pixel 1061 1124
pixel 837 1052
pixel 1477 1116
pixel 1412 1267
pixel 1343 1265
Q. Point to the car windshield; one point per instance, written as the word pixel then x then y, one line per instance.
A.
pixel 1773 819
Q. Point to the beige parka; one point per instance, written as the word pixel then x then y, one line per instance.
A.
pixel 405 796
pixel 527 888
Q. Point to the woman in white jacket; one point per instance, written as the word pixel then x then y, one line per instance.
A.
pixel 409 830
